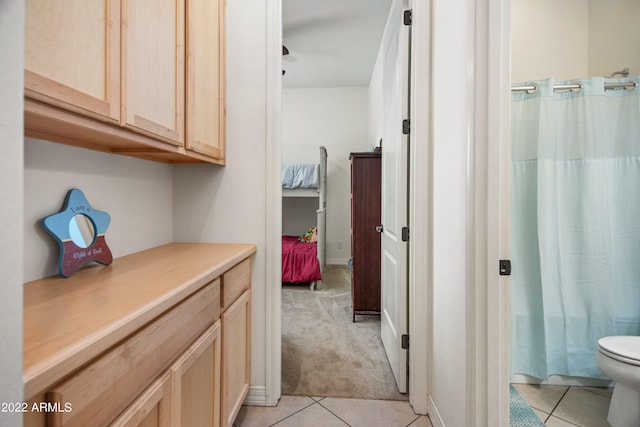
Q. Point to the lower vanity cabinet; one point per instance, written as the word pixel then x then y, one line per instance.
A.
pixel 187 394
pixel 235 297
pixel 108 385
pixel 236 363
pixel 188 365
pixel 152 408
pixel 195 382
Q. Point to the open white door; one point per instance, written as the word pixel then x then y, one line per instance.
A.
pixel 395 149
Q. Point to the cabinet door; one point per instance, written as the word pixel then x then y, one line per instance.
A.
pixel 72 55
pixel 153 68
pixel 195 379
pixel 206 77
pixel 236 357
pixel 151 409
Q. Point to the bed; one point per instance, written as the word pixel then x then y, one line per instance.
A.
pixel 304 197
pixel 300 262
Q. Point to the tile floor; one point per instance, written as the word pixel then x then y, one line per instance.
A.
pixel 556 406
pixel 564 406
pixel 299 411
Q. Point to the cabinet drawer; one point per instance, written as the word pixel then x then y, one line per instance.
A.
pixel 234 282
pixel 107 385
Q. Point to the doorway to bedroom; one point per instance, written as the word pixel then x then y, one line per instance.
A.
pixel 330 52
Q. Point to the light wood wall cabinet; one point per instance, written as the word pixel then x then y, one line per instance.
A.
pixel 206 78
pixel 153 68
pixel 135 77
pixel 74 63
pixel 147 341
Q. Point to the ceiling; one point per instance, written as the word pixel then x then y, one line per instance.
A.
pixel 332 43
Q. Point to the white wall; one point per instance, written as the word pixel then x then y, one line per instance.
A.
pixel 138 194
pixel 614 36
pixel 574 38
pixel 336 118
pixel 376 106
pixel 452 33
pixel 549 39
pixel 11 249
pixel 215 204
pixel 298 215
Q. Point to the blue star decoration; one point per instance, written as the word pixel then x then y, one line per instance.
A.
pixel 79 231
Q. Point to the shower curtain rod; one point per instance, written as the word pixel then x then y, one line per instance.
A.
pixel 577 86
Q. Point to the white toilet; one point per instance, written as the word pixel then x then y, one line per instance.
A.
pixel 619 358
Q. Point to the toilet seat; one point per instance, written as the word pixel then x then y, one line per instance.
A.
pixel 625 349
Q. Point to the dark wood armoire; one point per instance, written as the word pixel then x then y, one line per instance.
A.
pixel 366 209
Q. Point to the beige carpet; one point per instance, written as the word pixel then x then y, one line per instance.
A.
pixel 323 352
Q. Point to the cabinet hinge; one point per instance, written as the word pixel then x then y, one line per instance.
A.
pixel 504 267
pixel 405 234
pixel 405 342
pixel 407 15
pixel 406 126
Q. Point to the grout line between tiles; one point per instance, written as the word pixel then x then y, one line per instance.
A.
pixel 413 422
pixel 558 404
pixel 335 415
pixel 545 418
pixel 298 411
pixel 568 422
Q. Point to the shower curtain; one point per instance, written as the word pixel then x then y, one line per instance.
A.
pixel 575 224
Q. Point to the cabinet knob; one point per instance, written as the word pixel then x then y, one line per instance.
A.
pixel 379 228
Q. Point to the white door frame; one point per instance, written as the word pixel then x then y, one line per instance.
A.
pixel 488 339
pixel 273 192
pixel 420 201
pixel 488 216
pixel 419 245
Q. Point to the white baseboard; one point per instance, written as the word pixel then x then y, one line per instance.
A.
pixel 434 415
pixel 562 380
pixel 257 396
pixel 337 261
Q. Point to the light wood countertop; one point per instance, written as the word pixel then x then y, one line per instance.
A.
pixel 69 321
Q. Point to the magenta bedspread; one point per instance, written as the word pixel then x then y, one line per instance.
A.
pixel 299 261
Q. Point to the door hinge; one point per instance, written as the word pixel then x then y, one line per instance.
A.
pixel 505 267
pixel 407 15
pixel 406 126
pixel 405 234
pixel 405 342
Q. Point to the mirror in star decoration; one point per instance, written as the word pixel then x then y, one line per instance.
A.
pixel 79 230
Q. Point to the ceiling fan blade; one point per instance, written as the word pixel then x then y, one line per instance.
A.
pixel 286 56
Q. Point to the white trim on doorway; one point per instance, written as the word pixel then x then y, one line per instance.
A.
pixel 420 319
pixel 420 207
pixel 488 342
pixel 273 220
pixel 488 326
pixel 498 105
pixel 420 201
